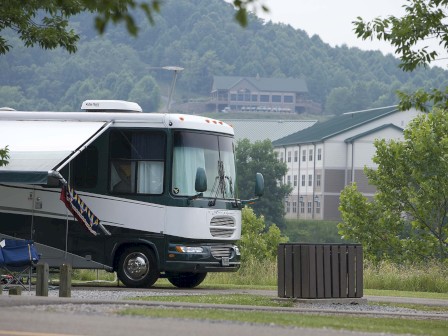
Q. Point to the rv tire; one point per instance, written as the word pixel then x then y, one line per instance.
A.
pixel 186 280
pixel 137 267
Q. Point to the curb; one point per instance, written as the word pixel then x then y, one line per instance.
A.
pixel 17 301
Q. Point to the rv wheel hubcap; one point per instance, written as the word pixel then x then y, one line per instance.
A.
pixel 136 266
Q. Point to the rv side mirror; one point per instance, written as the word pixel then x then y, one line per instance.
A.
pixel 200 184
pixel 259 185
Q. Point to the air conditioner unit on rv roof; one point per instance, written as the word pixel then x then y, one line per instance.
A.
pixel 110 106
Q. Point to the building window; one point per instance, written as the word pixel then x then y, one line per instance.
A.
pixel 289 179
pixel 309 207
pixel 233 97
pixel 296 156
pixel 303 180
pixel 302 207
pixel 295 180
pixel 304 155
pixel 288 206
pixel 240 96
pixel 294 207
pixel 311 155
pixel 276 98
pixel 289 156
pixel 264 98
pixel 318 207
pixel 254 98
pixel 288 99
pixel 310 180
pixel 319 154
pixel 281 156
pixel 318 180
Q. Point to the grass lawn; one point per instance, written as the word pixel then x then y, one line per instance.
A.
pixel 386 325
pixel 423 295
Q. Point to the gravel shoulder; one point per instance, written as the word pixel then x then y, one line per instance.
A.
pixel 108 300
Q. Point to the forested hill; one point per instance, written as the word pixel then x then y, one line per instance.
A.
pixel 202 37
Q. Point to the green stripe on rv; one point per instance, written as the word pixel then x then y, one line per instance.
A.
pixel 24 177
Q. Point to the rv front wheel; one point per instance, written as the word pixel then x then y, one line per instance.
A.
pixel 137 267
pixel 186 280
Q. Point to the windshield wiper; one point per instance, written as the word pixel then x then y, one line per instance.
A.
pixel 219 183
pixel 220 187
pixel 232 193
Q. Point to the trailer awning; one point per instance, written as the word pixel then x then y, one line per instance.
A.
pixel 37 147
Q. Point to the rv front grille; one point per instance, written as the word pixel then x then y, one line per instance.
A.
pixel 222 226
pixel 221 251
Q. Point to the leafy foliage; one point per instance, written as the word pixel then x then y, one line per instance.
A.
pixel 257 241
pixel 425 20
pixel 408 217
pixel 4 156
pixel 362 221
pixel 312 231
pixel 46 23
pixel 202 37
pixel 260 157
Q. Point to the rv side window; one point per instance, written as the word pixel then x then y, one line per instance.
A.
pixel 137 162
pixel 85 168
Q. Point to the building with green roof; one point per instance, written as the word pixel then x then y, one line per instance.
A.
pixel 257 94
pixel 266 129
pixel 324 158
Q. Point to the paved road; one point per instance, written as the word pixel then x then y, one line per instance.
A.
pixel 36 323
pixel 19 321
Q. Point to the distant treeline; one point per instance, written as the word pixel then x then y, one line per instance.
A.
pixel 202 37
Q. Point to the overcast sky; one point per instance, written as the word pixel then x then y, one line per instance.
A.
pixel 332 20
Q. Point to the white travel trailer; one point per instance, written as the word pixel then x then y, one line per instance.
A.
pixel 162 185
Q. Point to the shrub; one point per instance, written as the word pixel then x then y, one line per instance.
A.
pixel 257 241
pixel 4 156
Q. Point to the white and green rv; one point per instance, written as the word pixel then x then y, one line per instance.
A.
pixel 162 185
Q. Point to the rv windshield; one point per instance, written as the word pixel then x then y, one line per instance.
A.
pixel 213 153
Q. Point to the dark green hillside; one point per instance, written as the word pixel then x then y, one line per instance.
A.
pixel 202 37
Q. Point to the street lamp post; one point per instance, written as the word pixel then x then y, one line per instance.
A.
pixel 176 70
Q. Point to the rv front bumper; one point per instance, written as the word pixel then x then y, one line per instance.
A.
pixel 202 258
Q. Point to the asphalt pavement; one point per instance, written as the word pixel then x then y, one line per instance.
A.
pixel 92 311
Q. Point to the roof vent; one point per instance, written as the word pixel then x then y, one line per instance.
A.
pixel 110 106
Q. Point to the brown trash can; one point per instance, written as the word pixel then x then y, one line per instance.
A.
pixel 320 271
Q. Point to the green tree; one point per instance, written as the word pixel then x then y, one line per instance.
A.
pixel 146 92
pixel 260 157
pixel 12 96
pixel 258 241
pixel 46 23
pixel 4 156
pixel 410 35
pixel 339 100
pixel 408 216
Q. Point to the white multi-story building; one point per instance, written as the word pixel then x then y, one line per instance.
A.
pixel 327 156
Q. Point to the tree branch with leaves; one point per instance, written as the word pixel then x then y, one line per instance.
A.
pixel 424 21
pixel 4 156
pixel 45 23
pixel 407 217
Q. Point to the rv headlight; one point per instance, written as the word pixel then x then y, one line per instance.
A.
pixel 189 249
pixel 237 250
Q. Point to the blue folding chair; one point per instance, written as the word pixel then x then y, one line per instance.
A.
pixel 17 258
